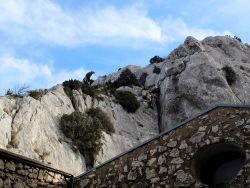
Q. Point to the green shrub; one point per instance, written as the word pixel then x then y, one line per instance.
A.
pixel 143 78
pixel 230 74
pixel 108 89
pixel 156 70
pixel 127 100
pixel 126 78
pixel 88 90
pixel 106 123
pixel 156 59
pixel 71 85
pixel 36 94
pixel 85 132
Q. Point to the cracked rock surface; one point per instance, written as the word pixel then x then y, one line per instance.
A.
pixel 192 77
pixel 30 128
pixel 195 78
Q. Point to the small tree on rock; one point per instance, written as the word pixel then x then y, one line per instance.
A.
pixel 126 78
pixel 156 59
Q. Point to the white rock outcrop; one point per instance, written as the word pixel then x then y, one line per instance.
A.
pixel 31 128
pixel 194 77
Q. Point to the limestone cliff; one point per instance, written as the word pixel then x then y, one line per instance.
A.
pixel 192 78
pixel 31 128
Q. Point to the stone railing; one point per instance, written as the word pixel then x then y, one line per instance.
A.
pixel 20 172
pixel 166 160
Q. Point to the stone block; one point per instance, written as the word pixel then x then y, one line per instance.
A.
pixel 142 157
pixel 132 175
pixel 32 175
pixel 162 148
pixel 161 160
pixel 1 182
pixel 1 164
pixel 40 175
pixel 22 172
pixel 151 162
pixel 150 173
pixel 51 174
pixel 18 184
pixel 84 183
pixel 136 164
pixel 153 151
pixel 172 144
pixel 177 160
pixel 154 180
pixel 181 176
pixel 2 174
pixel 19 166
pixel 125 168
pixel 10 175
pixel 7 182
pixel 174 152
pixel 163 170
pixel 197 137
pixel 26 167
pixel 10 166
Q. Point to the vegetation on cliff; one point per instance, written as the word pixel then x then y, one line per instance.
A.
pixel 230 74
pixel 126 78
pixel 85 131
pixel 127 100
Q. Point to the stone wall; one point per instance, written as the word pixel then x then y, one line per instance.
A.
pixel 165 161
pixel 20 172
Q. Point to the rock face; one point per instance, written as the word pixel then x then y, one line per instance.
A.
pixel 191 79
pixel 194 77
pixel 31 128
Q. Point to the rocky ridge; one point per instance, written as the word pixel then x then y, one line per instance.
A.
pixel 191 79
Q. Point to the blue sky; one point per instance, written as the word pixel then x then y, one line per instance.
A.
pixel 44 42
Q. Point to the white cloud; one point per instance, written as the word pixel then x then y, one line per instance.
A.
pixel 15 71
pixel 45 21
pixel 177 29
pixel 129 22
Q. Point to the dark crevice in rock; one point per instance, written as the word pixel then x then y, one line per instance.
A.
pixel 158 108
pixel 32 116
pixel 13 142
pixel 89 159
pixel 61 101
pixel 74 102
pixel 236 95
